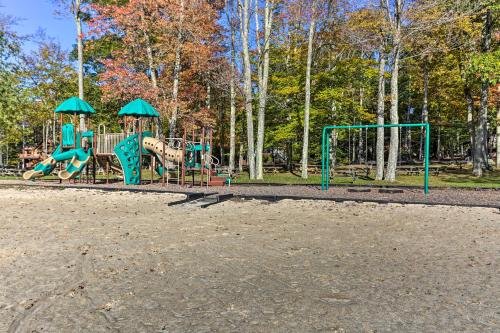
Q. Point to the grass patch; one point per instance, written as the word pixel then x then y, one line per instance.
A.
pixel 455 178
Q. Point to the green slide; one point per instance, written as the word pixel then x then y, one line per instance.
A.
pixel 75 166
pixel 45 167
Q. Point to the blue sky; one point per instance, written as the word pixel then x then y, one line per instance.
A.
pixel 35 14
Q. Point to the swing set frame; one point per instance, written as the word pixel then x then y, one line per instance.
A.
pixel 325 149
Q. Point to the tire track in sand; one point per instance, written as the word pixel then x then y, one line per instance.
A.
pixel 22 321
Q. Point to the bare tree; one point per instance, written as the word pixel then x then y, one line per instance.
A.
pixel 77 13
pixel 263 80
pixel 149 50
pixel 244 13
pixel 75 8
pixel 498 130
pixel 380 116
pixel 481 134
pixel 232 87
pixel 307 106
pixel 177 71
pixel 394 16
pixel 425 105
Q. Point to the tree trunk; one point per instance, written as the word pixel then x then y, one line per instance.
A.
pixel 498 137
pixel 395 19
pixel 232 121
pixel 79 40
pixel 208 101
pixel 408 136
pixel 305 147
pixel 470 120
pixel 149 51
pixel 425 108
pixel 257 43
pixel 152 70
pixel 247 84
pixel 177 71
pixel 352 158
pixel 240 158
pixel 438 145
pixel 360 133
pixel 360 146
pixel 54 124
pixel 333 140
pixel 481 135
pixel 232 90
pixel 380 118
pixel 394 141
pixel 333 150
pixel 263 91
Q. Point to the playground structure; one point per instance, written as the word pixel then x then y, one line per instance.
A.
pixel 74 146
pixel 125 153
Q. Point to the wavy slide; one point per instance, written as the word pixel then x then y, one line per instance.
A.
pixel 76 165
pixel 44 168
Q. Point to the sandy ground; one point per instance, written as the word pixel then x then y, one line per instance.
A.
pixel 90 261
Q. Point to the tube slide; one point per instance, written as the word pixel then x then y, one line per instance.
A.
pixel 156 146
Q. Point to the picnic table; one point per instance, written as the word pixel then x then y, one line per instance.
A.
pixel 354 171
pixel 273 168
pixel 417 170
pixel 311 168
pixel 12 172
pixel 410 170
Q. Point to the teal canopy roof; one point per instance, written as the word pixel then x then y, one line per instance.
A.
pixel 138 108
pixel 74 105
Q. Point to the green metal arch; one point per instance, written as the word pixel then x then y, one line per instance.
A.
pixel 325 150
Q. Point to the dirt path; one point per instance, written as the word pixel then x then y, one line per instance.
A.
pixel 91 261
